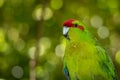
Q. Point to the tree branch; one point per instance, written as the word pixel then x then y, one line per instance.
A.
pixel 34 61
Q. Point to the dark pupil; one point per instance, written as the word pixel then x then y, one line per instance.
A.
pixel 76 25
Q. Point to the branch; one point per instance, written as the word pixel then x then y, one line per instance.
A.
pixel 34 61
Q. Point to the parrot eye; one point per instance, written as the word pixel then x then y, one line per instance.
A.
pixel 76 25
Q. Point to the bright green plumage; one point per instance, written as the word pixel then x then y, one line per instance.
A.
pixel 84 59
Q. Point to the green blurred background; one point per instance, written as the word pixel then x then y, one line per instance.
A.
pixel 31 41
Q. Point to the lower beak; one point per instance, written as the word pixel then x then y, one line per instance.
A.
pixel 65 32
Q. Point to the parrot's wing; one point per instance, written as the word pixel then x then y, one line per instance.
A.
pixel 66 72
pixel 106 63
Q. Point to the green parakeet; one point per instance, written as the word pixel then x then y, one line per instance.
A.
pixel 84 59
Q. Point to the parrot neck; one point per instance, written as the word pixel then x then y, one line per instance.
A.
pixel 79 35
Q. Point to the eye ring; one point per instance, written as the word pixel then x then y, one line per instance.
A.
pixel 75 25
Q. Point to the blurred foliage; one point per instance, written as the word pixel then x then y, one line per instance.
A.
pixel 19 20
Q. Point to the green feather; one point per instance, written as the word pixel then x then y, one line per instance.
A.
pixel 85 59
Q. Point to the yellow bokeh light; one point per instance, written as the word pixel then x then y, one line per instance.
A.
pixel 117 57
pixel 31 52
pixel 96 21
pixel 38 13
pixel 13 34
pixel 60 50
pixel 20 44
pixel 103 32
pixel 17 72
pixel 3 43
pixel 45 43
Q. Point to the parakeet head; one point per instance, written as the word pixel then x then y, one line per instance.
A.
pixel 72 28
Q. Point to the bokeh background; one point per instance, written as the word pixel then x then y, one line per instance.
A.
pixel 31 42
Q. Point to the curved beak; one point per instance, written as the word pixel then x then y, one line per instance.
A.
pixel 65 32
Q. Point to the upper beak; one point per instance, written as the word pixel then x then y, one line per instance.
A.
pixel 65 32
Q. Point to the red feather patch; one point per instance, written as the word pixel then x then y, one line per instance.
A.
pixel 68 23
pixel 81 28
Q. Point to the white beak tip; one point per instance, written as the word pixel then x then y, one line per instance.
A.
pixel 65 30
